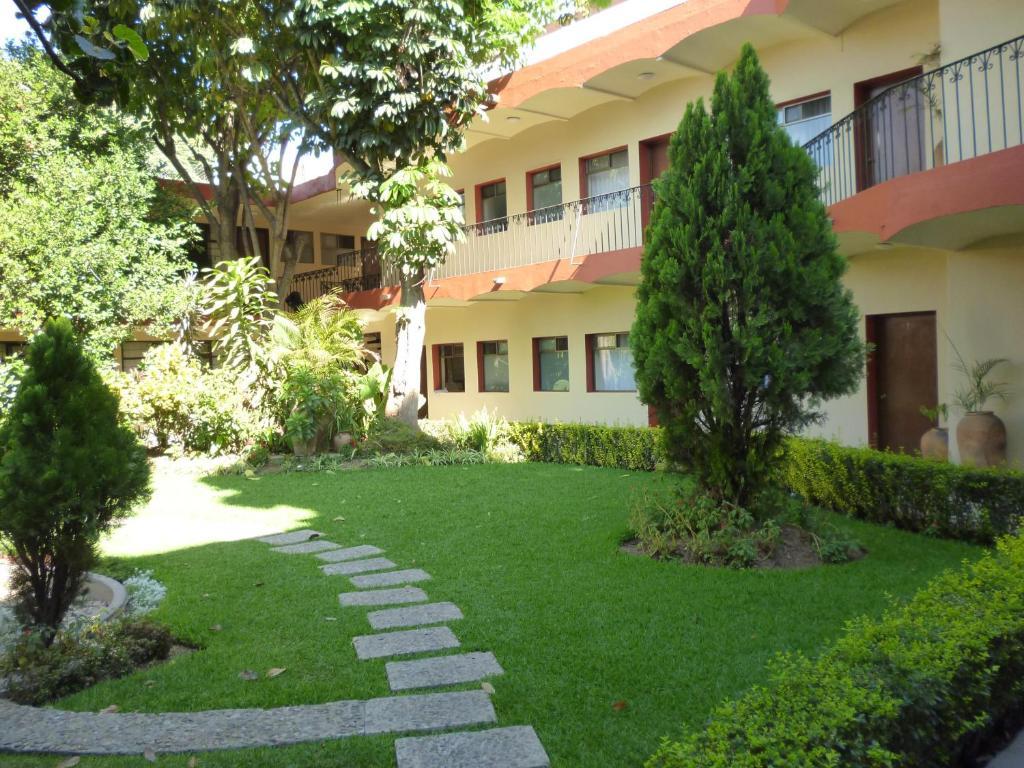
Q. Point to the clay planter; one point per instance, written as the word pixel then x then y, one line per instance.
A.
pixel 935 444
pixel 341 441
pixel 304 448
pixel 981 438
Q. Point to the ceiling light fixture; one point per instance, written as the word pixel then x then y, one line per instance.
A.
pixel 646 76
pixel 513 118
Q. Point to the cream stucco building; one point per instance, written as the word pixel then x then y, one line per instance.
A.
pixel 918 106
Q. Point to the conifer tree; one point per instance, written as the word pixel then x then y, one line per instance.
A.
pixel 68 472
pixel 743 326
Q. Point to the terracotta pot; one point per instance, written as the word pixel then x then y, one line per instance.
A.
pixel 935 444
pixel 303 448
pixel 981 438
pixel 341 441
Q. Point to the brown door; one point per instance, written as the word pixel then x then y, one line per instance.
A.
pixel 902 377
pixel 658 157
pixel 653 163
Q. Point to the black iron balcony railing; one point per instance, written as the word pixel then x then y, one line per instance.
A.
pixel 962 110
pixel 600 224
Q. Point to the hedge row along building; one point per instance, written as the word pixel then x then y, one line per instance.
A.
pixel 913 111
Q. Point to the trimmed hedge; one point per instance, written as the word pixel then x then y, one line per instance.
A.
pixel 906 491
pixel 924 686
pixel 888 488
pixel 636 448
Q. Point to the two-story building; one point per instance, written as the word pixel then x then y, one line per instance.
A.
pixel 912 109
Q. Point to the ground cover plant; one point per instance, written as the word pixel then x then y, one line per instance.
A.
pixel 604 652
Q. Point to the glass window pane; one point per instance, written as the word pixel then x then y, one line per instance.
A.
pixel 554 364
pixel 337 249
pixel 613 363
pixel 453 371
pixel 495 366
pixel 607 182
pixel 302 245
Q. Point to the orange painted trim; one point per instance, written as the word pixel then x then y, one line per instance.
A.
pixel 989 181
pixel 645 39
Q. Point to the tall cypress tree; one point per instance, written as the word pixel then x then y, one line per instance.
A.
pixel 743 326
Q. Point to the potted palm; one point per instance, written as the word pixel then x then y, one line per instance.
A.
pixel 980 435
pixel 935 442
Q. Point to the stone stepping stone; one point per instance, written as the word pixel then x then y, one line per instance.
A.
pixel 390 579
pixel 515 747
pixel 350 553
pixel 383 597
pixel 307 547
pixel 41 729
pixel 431 613
pixel 291 537
pixel 427 711
pixel 406 641
pixel 441 670
pixel 357 566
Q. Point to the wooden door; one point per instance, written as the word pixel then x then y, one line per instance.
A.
pixel 890 130
pixel 902 377
pixel 657 157
pixel 653 163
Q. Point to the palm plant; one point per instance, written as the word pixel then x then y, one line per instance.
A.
pixel 977 390
pixel 239 301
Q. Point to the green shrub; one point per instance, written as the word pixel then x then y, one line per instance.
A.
pixel 923 686
pixel 636 448
pixel 37 673
pixel 394 436
pixel 69 471
pixel 905 491
pixel 174 403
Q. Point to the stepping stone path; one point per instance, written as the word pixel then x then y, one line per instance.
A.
pixel 414 615
pixel 516 747
pixel 357 566
pixel 32 729
pixel 350 553
pixel 383 597
pixel 391 578
pixel 441 670
pixel 307 547
pixel 404 642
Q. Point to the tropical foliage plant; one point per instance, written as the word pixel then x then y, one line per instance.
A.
pixel 977 388
pixel 69 471
pixel 743 325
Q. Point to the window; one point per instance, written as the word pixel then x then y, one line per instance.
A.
pixel 551 364
pixel 611 363
pixel 449 368
pixel 607 180
pixel 492 211
pixel 243 242
pixel 546 196
pixel 806 119
pixel 492 359
pixel 301 244
pixel 372 342
pixel 337 250
pixel 9 349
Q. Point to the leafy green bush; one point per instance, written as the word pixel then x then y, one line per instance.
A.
pixel 485 432
pixel 37 673
pixel 636 448
pixel 69 471
pixel 173 402
pixel 434 457
pixel 394 436
pixel 923 686
pixel 905 491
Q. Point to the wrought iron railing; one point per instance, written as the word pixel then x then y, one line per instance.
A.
pixel 600 224
pixel 962 110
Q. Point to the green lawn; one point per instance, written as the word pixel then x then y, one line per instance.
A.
pixel 530 554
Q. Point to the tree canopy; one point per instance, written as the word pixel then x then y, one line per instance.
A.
pixel 86 231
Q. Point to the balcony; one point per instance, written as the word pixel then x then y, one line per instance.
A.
pixel 570 232
pixel 961 111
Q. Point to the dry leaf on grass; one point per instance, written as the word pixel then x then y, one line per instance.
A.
pixel 193 762
pixel 216 628
pixel 258 584
pixel 247 674
pixel 275 671
pixel 487 688
pixel 109 710
pixel 618 706
pixel 71 762
pixel 339 519
pixel 330 618
pixel 149 683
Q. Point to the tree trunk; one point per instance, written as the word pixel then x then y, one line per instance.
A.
pixel 289 258
pixel 410 329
